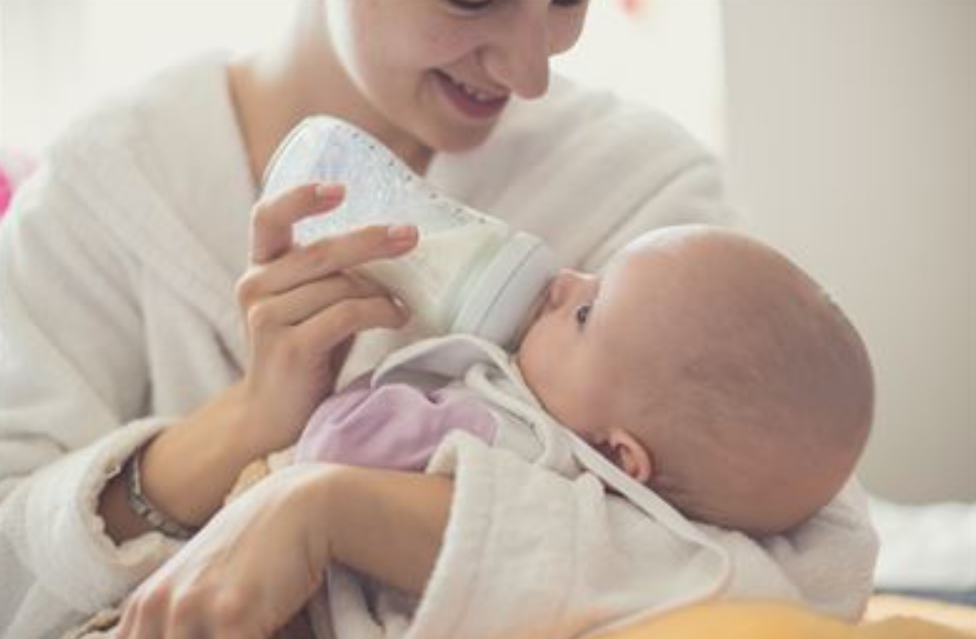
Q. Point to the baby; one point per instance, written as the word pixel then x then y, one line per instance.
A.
pixel 703 364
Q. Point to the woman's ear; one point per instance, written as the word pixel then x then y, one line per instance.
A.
pixel 629 454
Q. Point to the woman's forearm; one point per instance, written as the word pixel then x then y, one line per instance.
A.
pixel 187 470
pixel 386 524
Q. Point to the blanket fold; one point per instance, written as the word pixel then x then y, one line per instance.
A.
pixel 544 548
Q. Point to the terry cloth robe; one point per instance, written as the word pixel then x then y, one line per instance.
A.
pixel 118 260
pixel 561 541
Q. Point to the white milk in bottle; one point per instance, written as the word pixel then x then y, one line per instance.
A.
pixel 469 273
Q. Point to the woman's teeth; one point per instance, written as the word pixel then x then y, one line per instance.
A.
pixel 477 94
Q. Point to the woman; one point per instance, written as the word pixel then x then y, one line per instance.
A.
pixel 131 396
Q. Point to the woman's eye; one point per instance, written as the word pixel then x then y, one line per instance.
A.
pixel 582 313
pixel 475 5
pixel 469 5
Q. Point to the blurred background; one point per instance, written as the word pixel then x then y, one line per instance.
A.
pixel 848 128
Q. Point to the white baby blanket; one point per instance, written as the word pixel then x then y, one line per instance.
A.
pixel 546 554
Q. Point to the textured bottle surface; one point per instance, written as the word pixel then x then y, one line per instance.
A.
pixel 464 258
pixel 431 278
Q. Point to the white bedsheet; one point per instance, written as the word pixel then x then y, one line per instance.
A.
pixel 928 547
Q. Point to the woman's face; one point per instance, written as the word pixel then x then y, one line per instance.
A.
pixel 442 71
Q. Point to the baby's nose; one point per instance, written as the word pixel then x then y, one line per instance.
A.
pixel 561 286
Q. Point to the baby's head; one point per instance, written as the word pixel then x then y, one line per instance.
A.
pixel 709 367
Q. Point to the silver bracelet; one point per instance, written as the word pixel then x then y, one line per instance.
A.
pixel 141 506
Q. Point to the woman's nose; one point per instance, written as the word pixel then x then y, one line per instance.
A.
pixel 519 56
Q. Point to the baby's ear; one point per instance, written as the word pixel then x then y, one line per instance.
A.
pixel 629 454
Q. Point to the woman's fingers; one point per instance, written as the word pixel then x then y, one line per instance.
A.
pixel 356 247
pixel 297 305
pixel 199 610
pixel 273 217
pixel 246 573
pixel 334 325
pixel 301 307
pixel 146 617
pixel 325 257
pixel 127 625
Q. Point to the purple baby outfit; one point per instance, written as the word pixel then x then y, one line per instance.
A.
pixel 393 426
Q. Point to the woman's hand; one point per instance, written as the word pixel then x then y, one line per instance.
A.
pixel 247 572
pixel 259 560
pixel 302 307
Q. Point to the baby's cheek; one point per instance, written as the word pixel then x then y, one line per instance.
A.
pixel 575 402
pixel 544 378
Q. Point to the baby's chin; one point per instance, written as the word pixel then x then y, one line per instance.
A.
pixel 539 391
pixel 516 360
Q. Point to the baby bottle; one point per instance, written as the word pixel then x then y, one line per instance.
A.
pixel 469 273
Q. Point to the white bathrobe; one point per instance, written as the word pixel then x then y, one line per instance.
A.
pixel 117 313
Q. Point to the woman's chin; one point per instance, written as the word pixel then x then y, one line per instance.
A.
pixel 455 134
pixel 451 138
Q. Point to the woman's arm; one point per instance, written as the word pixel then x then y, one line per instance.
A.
pixel 260 559
pixel 300 307
pixel 187 469
pixel 386 524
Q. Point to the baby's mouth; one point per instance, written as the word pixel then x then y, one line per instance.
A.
pixel 531 317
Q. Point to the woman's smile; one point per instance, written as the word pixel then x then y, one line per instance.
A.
pixel 472 102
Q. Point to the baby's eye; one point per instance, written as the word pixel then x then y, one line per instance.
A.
pixel 582 313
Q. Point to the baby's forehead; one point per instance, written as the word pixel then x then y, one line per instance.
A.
pixel 664 289
pixel 655 254
pixel 649 269
pixel 687 243
pixel 697 261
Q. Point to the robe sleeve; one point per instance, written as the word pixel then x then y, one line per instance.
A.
pixel 72 373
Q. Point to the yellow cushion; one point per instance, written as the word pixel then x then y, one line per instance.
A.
pixel 760 620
